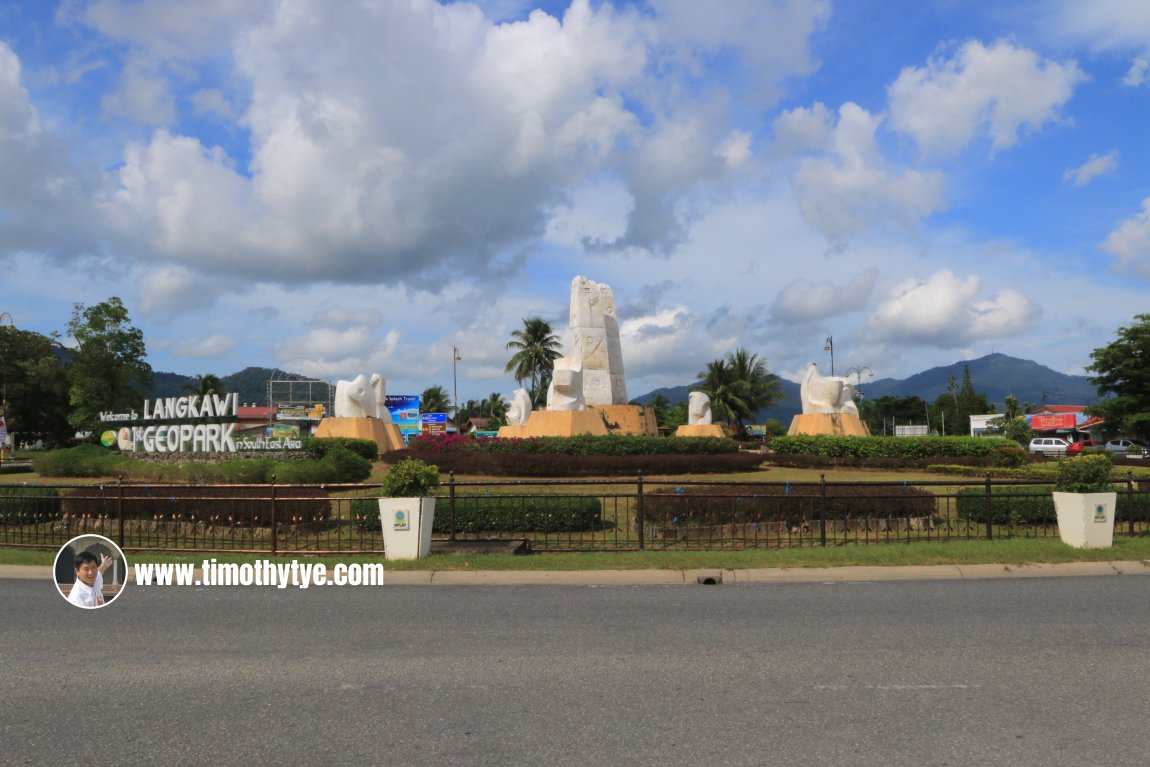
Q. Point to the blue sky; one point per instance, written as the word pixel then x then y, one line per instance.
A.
pixel 337 188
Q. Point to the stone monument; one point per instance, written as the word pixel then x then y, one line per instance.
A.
pixel 588 393
pixel 828 407
pixel 699 418
pixel 520 408
pixel 360 413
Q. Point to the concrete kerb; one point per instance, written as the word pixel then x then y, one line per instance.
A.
pixel 715 575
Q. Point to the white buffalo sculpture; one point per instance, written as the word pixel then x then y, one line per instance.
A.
pixel 519 409
pixel 826 394
pixel 355 398
pixel 698 409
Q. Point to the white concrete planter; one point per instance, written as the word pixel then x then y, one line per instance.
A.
pixel 1086 520
pixel 406 527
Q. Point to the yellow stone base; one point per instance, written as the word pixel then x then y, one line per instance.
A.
pixel 386 435
pixel 599 420
pixel 838 424
pixel 701 430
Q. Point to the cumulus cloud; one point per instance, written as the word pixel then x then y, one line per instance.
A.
pixel 653 344
pixel 142 96
pixel 1129 243
pixel 850 188
pixel 996 91
pixel 947 311
pixel 167 291
pixel 342 318
pixel 344 352
pixel 1091 169
pixel 212 346
pixel 1103 24
pixel 806 301
pixel 1136 75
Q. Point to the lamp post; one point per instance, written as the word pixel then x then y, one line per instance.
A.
pixel 830 347
pixel 858 372
pixel 455 360
pixel 4 388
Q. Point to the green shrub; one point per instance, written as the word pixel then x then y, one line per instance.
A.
pixel 890 447
pixel 316 447
pixel 81 461
pixel 410 478
pixel 726 504
pixel 28 505
pixel 584 444
pixel 1086 474
pixel 555 465
pixel 1008 457
pixel 485 514
pixel 1009 505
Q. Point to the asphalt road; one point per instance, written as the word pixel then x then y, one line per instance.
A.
pixel 1044 671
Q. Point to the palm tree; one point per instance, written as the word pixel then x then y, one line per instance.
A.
pixel 434 399
pixel 495 409
pixel 208 384
pixel 739 386
pixel 536 349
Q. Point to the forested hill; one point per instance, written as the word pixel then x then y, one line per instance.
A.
pixel 251 384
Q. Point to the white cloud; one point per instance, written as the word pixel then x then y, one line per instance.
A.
pixel 212 346
pixel 850 189
pixel 1104 24
pixel 346 352
pixel 167 291
pixel 343 318
pixel 946 311
pixel 1091 169
pixel 1136 75
pixel 142 96
pixel 995 91
pixel 1129 243
pixel 806 301
pixel 212 101
pixel 802 129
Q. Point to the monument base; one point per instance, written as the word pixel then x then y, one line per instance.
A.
pixel 386 435
pixel 598 420
pixel 701 430
pixel 837 424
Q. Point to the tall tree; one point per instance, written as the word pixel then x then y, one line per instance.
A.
pixel 435 399
pixel 951 411
pixel 205 385
pixel 739 386
pixel 108 369
pixel 495 410
pixel 1122 370
pixel 33 388
pixel 536 349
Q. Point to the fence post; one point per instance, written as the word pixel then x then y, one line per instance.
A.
pixel 274 534
pixel 120 507
pixel 1130 495
pixel 989 511
pixel 823 509
pixel 639 513
pixel 451 503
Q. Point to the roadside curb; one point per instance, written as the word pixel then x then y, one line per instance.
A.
pixel 715 575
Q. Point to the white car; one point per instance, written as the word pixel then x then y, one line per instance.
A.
pixel 1126 448
pixel 1049 446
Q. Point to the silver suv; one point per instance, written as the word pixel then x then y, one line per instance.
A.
pixel 1126 448
pixel 1049 446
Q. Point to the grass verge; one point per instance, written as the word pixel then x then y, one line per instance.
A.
pixel 1011 552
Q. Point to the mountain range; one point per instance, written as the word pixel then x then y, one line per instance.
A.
pixel 995 375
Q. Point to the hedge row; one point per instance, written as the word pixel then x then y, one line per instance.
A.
pixel 28 505
pixel 1034 505
pixel 718 505
pixel 553 465
pixel 891 447
pixel 474 514
pixel 217 506
pixel 586 444
pixel 338 464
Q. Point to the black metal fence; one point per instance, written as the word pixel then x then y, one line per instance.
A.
pixel 553 515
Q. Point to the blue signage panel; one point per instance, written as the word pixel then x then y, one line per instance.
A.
pixel 404 409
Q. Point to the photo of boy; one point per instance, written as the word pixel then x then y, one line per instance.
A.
pixel 88 590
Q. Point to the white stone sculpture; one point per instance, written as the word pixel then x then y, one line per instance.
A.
pixel 566 389
pixel 826 394
pixel 354 398
pixel 698 409
pixel 379 390
pixel 519 409
pixel 595 333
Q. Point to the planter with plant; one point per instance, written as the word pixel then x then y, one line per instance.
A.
pixel 407 509
pixel 1085 503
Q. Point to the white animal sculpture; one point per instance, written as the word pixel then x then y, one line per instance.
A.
pixel 354 398
pixel 698 409
pixel 379 389
pixel 566 389
pixel 519 409
pixel 826 394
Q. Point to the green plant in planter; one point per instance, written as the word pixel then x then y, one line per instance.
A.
pixel 1085 474
pixel 410 478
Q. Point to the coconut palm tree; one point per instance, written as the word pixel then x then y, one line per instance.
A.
pixel 435 399
pixel 207 384
pixel 739 386
pixel 536 349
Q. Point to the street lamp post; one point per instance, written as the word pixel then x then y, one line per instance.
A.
pixel 830 347
pixel 858 372
pixel 455 360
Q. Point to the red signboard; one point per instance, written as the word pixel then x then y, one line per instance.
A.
pixel 1047 422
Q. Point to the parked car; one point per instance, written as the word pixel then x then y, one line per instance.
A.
pixel 1127 448
pixel 1076 448
pixel 1049 446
